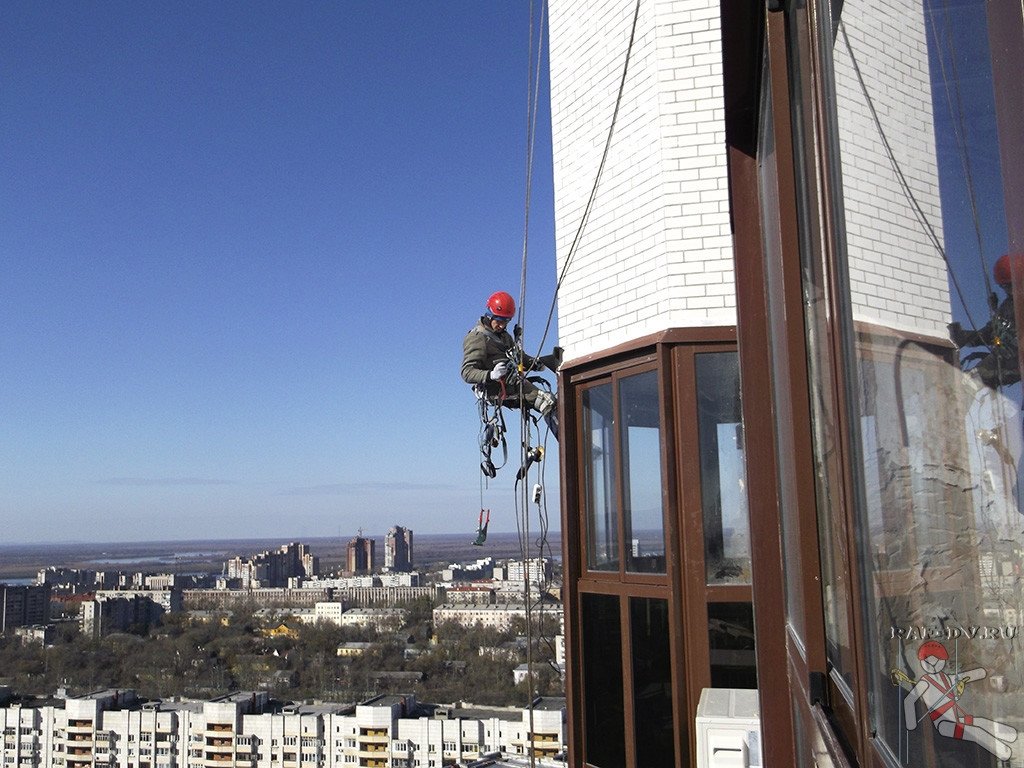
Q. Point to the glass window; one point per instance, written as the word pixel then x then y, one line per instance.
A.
pixel 652 682
pixel 604 722
pixel 731 641
pixel 621 457
pixel 722 481
pixel 641 459
pixel 787 473
pixel 930 258
pixel 598 448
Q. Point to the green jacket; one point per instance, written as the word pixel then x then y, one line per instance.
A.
pixel 481 349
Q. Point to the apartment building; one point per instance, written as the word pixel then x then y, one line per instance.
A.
pixel 380 619
pixel 398 552
pixel 278 597
pixel 360 555
pixel 777 470
pixel 168 599
pixel 536 569
pixel 23 605
pixel 471 594
pixel 115 610
pixel 114 728
pixel 409 579
pixel 273 568
pixel 498 617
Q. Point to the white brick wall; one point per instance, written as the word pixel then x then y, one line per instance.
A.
pixel 656 252
pixel 897 277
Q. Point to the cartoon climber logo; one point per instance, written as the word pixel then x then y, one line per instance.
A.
pixel 940 692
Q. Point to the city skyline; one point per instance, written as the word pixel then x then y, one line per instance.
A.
pixel 243 244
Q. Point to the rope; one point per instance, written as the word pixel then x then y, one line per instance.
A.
pixel 532 97
pixel 522 514
pixel 597 179
pixel 533 91
pixel 904 184
pixel 960 134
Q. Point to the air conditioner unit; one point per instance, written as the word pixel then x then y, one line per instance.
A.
pixel 728 729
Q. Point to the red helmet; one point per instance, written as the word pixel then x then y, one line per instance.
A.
pixel 932 648
pixel 501 305
pixel 1006 266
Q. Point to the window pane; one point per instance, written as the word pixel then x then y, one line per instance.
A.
pixel 819 316
pixel 604 724
pixel 598 448
pixel 731 640
pixel 722 478
pixel 641 461
pixel 782 399
pixel 652 682
pixel 929 127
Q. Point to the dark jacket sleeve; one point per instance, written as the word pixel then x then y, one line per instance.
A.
pixel 476 367
pixel 986 336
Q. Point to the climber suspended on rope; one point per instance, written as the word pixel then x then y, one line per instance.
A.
pixel 494 363
pixel 997 364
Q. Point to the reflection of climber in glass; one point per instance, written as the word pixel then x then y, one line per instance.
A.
pixel 991 375
pixel 997 364
pixel 941 691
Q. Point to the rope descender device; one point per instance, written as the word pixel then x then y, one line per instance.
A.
pixel 533 455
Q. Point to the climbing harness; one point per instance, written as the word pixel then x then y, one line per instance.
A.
pixel 509 395
pixel 492 433
pixel 1002 366
pixel 948 703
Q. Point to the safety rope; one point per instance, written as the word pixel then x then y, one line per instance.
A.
pixel 597 180
pixel 533 91
pixel 523 512
pixel 522 485
pixel 532 98
pixel 901 178
pixel 960 133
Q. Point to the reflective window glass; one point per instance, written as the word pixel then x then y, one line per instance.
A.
pixel 930 251
pixel 652 682
pixel 787 474
pixel 722 480
pixel 641 460
pixel 731 642
pixel 603 703
pixel 598 451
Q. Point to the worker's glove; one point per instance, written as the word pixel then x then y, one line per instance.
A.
pixel 499 370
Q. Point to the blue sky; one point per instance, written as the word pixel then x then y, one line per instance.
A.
pixel 241 243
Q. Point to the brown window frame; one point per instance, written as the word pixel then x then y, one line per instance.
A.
pixel 804 718
pixel 808 712
pixel 671 354
pixel 614 377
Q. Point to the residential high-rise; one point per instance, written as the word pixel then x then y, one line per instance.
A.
pixel 398 549
pixel 24 605
pixel 273 569
pixel 360 555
